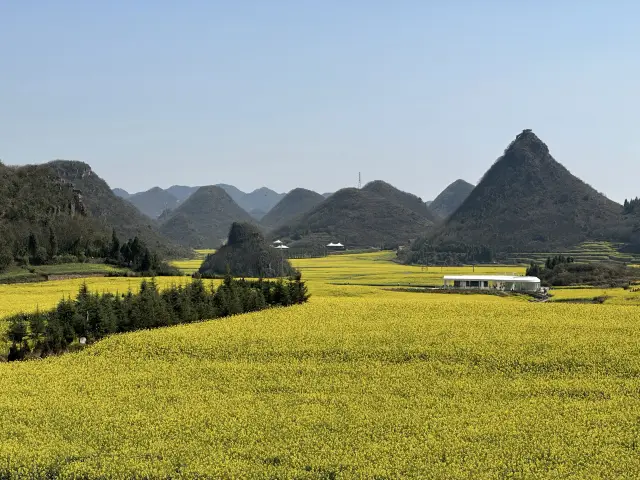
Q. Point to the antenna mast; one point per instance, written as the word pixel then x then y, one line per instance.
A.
pixel 359 180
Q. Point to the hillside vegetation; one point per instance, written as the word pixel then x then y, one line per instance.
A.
pixel 451 198
pixel 294 204
pixel 113 212
pixel 359 218
pixel 62 211
pixel 246 254
pixel 407 200
pixel 203 220
pixel 527 201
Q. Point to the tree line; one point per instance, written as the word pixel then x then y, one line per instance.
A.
pixel 423 252
pixel 560 270
pixel 91 316
pixel 631 206
pixel 133 253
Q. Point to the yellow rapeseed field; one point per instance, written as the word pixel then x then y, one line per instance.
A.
pixel 361 382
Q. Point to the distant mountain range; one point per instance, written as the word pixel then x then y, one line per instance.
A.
pixel 526 202
pixel 153 202
pixel 377 215
pixel 156 200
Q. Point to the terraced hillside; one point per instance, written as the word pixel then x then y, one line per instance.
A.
pixel 585 252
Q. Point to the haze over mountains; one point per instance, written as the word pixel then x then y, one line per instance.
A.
pixel 153 203
pixel 526 202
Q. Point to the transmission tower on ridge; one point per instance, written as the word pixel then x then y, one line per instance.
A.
pixel 359 180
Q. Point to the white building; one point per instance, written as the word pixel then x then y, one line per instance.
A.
pixel 498 282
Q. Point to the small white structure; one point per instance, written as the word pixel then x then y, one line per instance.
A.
pixel 498 282
pixel 336 246
pixel 281 247
pixel 278 242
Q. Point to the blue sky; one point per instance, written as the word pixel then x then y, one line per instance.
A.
pixel 304 93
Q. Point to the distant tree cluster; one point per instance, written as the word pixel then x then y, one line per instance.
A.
pixel 422 252
pixel 631 206
pixel 43 250
pixel 135 255
pixel 91 316
pixel 560 271
pixel 535 270
pixel 246 254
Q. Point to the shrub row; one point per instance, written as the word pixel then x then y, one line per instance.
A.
pixel 91 316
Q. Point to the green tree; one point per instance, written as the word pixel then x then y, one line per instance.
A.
pixel 37 327
pixel 32 245
pixel 52 250
pixel 115 246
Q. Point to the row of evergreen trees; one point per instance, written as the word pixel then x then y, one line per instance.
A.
pixel 631 206
pixel 90 316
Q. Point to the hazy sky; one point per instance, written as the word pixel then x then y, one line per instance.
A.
pixel 309 93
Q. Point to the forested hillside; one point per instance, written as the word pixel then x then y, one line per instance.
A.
pixel 527 201
pixel 62 208
pixel 357 218
pixel 112 212
pixel 295 203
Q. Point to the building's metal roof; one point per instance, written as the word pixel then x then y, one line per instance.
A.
pixel 495 278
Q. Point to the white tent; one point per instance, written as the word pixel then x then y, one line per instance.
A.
pixel 281 247
pixel 334 244
pixel 278 242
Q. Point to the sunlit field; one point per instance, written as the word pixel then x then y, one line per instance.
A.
pixel 379 269
pixel 190 266
pixel 616 296
pixel 361 382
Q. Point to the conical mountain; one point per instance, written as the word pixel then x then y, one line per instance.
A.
pixel 247 254
pixel 262 199
pixel 110 211
pixel 407 200
pixel 204 219
pixel 153 202
pixel 122 193
pixel 451 198
pixel 527 201
pixel 294 204
pixel 357 218
pixel 181 192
